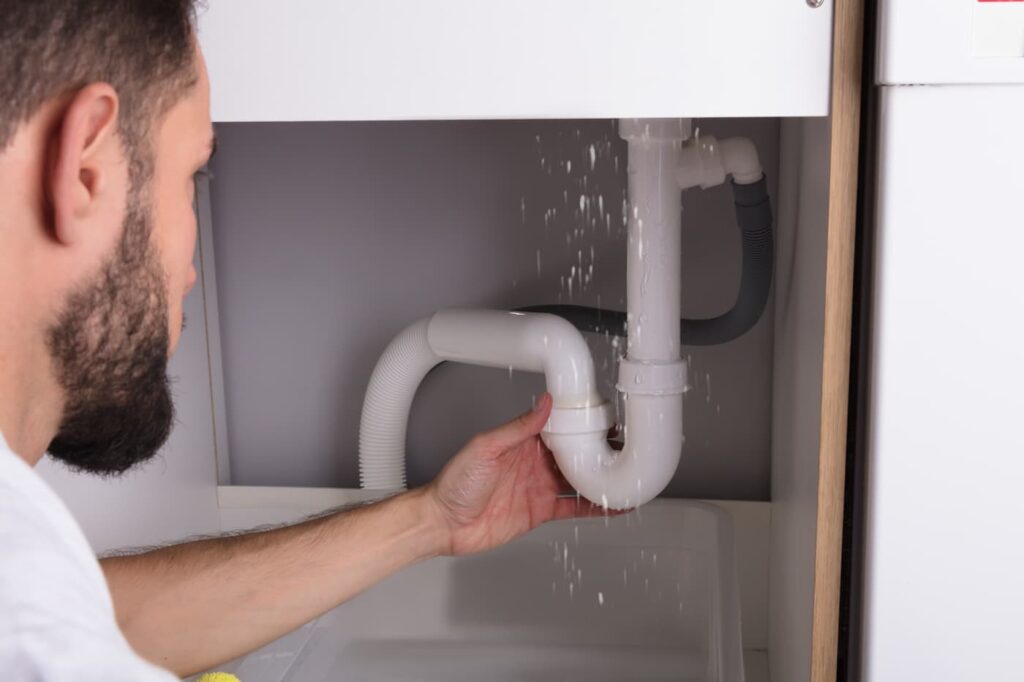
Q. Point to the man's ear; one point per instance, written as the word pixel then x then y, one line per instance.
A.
pixel 82 164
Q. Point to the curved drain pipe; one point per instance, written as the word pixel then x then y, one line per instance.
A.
pixel 531 342
pixel 577 432
pixel 652 376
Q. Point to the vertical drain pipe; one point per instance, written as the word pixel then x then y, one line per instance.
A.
pixel 653 271
pixel 652 377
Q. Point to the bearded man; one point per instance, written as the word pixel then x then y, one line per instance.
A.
pixel 104 121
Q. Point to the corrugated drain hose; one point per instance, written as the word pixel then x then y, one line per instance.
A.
pixel 754 219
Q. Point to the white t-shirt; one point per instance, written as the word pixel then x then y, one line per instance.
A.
pixel 56 615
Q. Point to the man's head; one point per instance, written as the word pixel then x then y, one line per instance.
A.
pixel 104 120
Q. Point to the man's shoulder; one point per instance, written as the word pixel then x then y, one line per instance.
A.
pixel 56 617
pixel 47 569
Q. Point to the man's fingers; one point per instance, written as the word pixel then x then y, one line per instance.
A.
pixel 519 429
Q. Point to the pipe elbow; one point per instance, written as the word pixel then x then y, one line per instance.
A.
pixel 628 478
pixel 566 361
pixel 740 159
pixel 533 342
pixel 707 161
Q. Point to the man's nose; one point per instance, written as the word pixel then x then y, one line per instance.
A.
pixel 191 281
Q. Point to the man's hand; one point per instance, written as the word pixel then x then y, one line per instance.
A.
pixel 501 485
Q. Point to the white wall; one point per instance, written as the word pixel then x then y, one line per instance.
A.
pixel 799 330
pixel 332 237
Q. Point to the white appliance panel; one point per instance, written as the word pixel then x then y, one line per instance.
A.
pixel 944 596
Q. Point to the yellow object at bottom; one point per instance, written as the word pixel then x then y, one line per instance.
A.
pixel 218 677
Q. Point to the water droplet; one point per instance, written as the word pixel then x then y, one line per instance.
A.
pixel 600 595
pixel 568 167
pixel 593 156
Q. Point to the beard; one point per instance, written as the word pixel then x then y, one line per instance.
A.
pixel 110 351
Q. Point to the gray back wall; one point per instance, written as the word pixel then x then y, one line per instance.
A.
pixel 332 237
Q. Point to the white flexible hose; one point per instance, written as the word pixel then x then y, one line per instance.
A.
pixel 389 396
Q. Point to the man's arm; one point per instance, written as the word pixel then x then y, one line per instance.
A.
pixel 192 606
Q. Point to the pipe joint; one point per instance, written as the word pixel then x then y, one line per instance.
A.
pixel 647 377
pixel 595 419
pixel 706 162
pixel 674 130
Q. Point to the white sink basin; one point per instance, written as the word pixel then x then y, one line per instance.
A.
pixel 648 597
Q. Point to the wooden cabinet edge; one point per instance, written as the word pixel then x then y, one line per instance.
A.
pixel 847 57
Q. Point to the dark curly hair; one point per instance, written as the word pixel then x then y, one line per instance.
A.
pixel 143 48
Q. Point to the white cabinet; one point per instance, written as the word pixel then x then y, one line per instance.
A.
pixel 309 60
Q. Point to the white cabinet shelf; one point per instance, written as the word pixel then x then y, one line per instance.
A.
pixel 309 60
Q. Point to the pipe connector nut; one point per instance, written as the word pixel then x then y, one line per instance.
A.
pixel 645 377
pixel 700 164
pixel 577 420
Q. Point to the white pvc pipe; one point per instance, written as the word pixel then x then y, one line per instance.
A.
pixel 533 342
pixel 635 475
pixel 652 376
pixel 707 161
pixel 740 159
